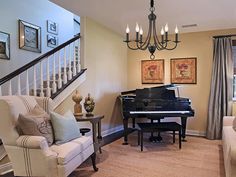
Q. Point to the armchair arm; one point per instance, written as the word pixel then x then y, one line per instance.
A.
pixel 32 142
pixel 228 120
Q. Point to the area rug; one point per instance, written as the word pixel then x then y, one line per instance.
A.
pixel 198 157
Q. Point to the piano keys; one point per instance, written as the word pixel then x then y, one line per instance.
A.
pixel 154 103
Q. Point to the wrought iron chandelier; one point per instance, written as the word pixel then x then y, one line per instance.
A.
pixel 152 43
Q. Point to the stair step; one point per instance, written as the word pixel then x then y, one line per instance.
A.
pixel 67 69
pixel 38 91
pixel 72 62
pixel 45 83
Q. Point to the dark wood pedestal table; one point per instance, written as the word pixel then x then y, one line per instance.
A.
pixel 96 128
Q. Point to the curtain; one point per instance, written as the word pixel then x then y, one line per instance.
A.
pixel 221 92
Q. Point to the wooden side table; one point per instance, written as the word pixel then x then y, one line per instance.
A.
pixel 96 128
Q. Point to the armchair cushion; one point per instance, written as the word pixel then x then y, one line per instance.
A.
pixel 32 142
pixel 65 127
pixel 69 150
pixel 36 123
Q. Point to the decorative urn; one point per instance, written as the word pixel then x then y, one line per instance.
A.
pixel 89 105
pixel 77 98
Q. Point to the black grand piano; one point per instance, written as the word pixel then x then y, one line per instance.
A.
pixel 155 103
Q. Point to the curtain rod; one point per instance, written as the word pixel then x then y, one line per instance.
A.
pixel 230 35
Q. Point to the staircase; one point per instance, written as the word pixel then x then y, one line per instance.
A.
pixel 54 74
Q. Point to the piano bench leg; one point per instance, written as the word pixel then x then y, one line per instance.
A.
pixel 141 140
pixel 173 136
pixel 139 137
pixel 180 140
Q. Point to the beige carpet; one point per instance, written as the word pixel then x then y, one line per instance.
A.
pixel 198 157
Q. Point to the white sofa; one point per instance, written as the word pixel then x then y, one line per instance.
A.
pixel 31 155
pixel 229 146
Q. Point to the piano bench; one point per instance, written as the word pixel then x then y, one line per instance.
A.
pixel 158 127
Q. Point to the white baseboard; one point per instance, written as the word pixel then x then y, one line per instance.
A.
pixel 195 133
pixel 120 127
pixel 112 130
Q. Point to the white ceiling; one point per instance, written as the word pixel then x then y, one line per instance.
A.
pixel 116 14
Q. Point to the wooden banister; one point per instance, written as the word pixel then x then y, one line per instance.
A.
pixel 37 60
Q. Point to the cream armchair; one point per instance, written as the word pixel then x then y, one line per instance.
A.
pixel 31 155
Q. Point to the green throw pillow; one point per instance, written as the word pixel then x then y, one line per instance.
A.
pixel 65 127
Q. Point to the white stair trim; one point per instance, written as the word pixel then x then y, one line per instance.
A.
pixel 68 90
pixel 112 130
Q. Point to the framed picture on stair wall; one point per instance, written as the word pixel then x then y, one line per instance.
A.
pixel 4 45
pixel 52 27
pixel 29 37
pixel 52 41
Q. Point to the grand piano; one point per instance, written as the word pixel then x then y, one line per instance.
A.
pixel 155 103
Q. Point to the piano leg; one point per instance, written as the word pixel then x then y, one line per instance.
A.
pixel 125 123
pixel 183 124
pixel 133 122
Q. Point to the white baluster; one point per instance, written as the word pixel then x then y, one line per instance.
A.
pixel 74 60
pixel 27 82
pixel 48 79
pixel 54 85
pixel 9 88
pixel 59 71
pixel 18 86
pixel 64 74
pixel 0 90
pixel 41 79
pixel 35 82
pixel 78 55
pixel 69 72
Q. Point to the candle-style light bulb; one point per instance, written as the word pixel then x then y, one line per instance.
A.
pixel 141 34
pixel 176 29
pixel 127 29
pixel 137 28
pixel 176 34
pixel 141 31
pixel 166 28
pixel 162 35
pixel 162 31
pixel 137 31
pixel 127 33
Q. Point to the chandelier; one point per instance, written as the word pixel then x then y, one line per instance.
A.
pixel 152 43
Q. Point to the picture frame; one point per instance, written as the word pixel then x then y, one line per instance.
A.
pixel 52 41
pixel 52 27
pixel 4 45
pixel 152 71
pixel 183 70
pixel 29 37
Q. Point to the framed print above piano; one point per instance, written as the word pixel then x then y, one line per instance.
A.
pixel 152 71
pixel 183 70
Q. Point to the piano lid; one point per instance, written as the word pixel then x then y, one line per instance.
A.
pixel 160 92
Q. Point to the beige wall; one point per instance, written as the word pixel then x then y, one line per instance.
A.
pixel 192 45
pixel 105 57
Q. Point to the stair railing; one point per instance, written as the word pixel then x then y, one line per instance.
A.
pixel 47 66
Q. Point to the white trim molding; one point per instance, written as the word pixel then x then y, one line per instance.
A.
pixel 112 130
pixel 68 90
